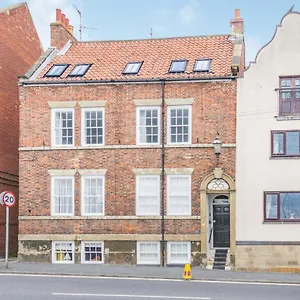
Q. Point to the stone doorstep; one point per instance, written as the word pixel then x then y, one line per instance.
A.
pixel 211 257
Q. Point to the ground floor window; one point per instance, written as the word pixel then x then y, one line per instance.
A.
pixel 92 252
pixel 282 206
pixel 148 253
pixel 179 252
pixel 62 252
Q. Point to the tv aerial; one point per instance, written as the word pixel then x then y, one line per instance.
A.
pixel 80 24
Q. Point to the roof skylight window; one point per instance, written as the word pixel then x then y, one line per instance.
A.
pixel 132 68
pixel 56 70
pixel 202 65
pixel 79 70
pixel 178 66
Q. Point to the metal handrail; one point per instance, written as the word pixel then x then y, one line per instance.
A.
pixel 210 234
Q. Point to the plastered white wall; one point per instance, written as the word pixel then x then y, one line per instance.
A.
pixel 257 108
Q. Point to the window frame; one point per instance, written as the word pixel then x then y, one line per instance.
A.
pixel 53 133
pixel 138 251
pixel 138 137
pixel 132 63
pixel 284 154
pixel 293 88
pixel 53 253
pixel 83 119
pixel 170 107
pixel 82 202
pixel 84 261
pixel 189 213
pixel 80 75
pixel 175 61
pixel 278 219
pixel 137 210
pixel 53 213
pixel 209 60
pixel 169 260
pixel 57 65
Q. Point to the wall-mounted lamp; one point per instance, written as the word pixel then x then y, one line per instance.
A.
pixel 217 147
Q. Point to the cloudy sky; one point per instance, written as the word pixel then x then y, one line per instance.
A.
pixel 135 19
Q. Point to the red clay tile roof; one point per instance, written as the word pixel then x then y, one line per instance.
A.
pixel 109 58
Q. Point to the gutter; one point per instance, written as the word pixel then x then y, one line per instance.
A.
pixel 125 81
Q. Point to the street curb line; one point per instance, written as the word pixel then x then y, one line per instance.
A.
pixel 149 277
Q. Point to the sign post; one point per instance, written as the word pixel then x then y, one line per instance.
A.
pixel 7 199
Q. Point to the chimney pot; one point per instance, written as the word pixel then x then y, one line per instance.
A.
pixel 58 15
pixel 71 29
pixel 237 14
pixel 67 23
pixel 63 19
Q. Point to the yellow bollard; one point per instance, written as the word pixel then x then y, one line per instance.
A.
pixel 187 273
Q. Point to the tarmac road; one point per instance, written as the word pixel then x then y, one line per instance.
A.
pixel 57 287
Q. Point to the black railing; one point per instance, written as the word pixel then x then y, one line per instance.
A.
pixel 210 234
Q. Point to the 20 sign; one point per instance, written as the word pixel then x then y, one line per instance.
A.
pixel 8 199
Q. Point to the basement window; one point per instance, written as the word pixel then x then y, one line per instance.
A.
pixel 79 70
pixel 92 252
pixel 178 66
pixel 132 68
pixel 56 70
pixel 62 252
pixel 202 65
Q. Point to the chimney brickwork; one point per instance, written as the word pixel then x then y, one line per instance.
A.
pixel 61 31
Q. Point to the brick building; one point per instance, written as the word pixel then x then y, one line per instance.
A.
pixel 19 48
pixel 116 157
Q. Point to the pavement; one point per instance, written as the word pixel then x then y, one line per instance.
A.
pixel 16 267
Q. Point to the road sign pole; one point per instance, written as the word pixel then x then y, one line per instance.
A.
pixel 7 237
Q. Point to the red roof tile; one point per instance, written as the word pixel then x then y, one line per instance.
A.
pixel 109 58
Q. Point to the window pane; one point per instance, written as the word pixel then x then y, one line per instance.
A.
pixel 178 66
pixel 289 205
pixel 93 201
pixel 292 143
pixel 63 195
pixel 148 126
pixel 93 252
pixel 63 251
pixel 278 143
pixel 63 130
pixel 148 252
pixel 148 195
pixel 179 125
pixel 179 193
pixel 202 65
pixel 271 206
pixel 93 127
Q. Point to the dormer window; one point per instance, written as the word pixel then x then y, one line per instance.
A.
pixel 132 68
pixel 178 66
pixel 79 70
pixel 202 65
pixel 56 70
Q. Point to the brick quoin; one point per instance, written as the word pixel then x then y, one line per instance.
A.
pixel 19 48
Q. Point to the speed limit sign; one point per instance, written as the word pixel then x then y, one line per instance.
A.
pixel 8 199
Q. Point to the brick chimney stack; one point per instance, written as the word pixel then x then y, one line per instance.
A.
pixel 61 31
pixel 237 24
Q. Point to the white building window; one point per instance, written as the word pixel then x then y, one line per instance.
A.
pixel 147 195
pixel 93 126
pixel 179 124
pixel 62 252
pixel 92 252
pixel 179 252
pixel 62 127
pixel 147 130
pixel 92 195
pixel 148 253
pixel 179 195
pixel 62 195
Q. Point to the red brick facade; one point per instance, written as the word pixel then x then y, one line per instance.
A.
pixel 19 49
pixel 211 97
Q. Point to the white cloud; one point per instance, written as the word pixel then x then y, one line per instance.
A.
pixel 189 12
pixel 43 13
pixel 253 45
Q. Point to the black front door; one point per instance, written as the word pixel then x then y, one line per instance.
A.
pixel 221 225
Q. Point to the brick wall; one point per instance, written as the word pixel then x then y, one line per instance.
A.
pixel 19 49
pixel 212 111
